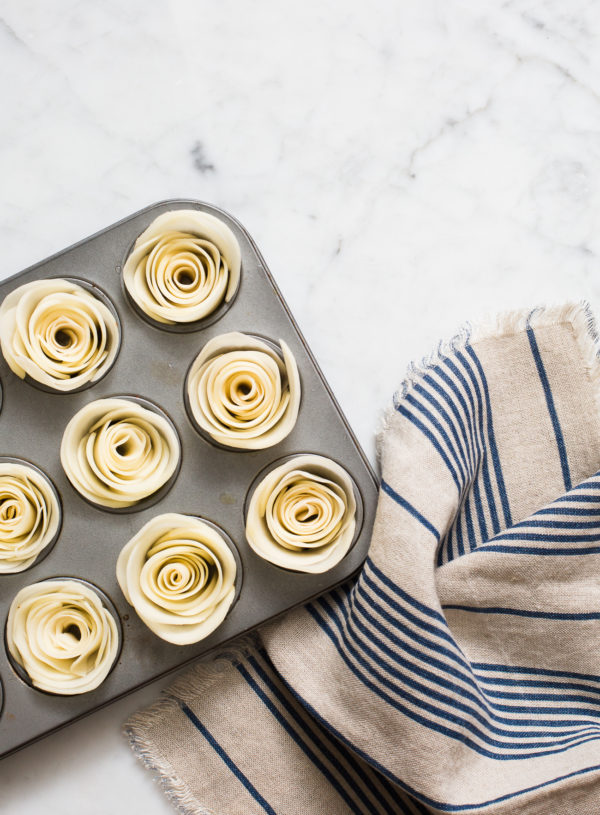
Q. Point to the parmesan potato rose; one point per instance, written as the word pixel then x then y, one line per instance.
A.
pixel 116 452
pixel 57 333
pixel 242 394
pixel 179 575
pixel 29 516
pixel 183 266
pixel 62 636
pixel 302 515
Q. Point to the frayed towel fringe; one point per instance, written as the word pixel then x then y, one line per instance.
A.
pixel 506 324
pixel 195 681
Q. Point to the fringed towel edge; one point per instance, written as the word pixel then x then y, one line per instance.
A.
pixel 506 324
pixel 137 728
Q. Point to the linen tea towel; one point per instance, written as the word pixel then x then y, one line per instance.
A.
pixel 461 671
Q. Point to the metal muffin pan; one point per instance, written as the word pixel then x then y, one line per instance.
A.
pixel 212 482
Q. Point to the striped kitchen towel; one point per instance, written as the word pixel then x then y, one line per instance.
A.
pixel 461 672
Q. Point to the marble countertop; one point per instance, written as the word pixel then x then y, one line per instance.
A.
pixel 403 166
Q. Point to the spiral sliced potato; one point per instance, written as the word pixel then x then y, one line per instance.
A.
pixel 242 394
pixel 29 516
pixel 63 637
pixel 183 266
pixel 116 452
pixel 179 575
pixel 57 333
pixel 302 515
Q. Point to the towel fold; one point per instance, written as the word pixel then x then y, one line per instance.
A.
pixel 460 673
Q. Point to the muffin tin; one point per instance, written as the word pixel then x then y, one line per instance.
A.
pixel 212 482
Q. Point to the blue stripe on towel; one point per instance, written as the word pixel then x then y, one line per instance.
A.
pixel 471 456
pixel 533 550
pixel 293 733
pixel 524 669
pixel 409 508
pixel 546 537
pixel 537 523
pixel 345 763
pixel 426 610
pixel 570 511
pixel 441 805
pixel 431 654
pixel 478 401
pixel 522 612
pixel 492 439
pixel 436 655
pixel 474 445
pixel 464 439
pixel 360 636
pixel 429 435
pixel 581 499
pixel 428 715
pixel 227 759
pixel 547 533
pixel 438 426
pixel 560 441
pixel 409 674
pixel 461 454
pixel 583 729
pixel 391 623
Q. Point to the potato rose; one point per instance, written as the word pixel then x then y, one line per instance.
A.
pixel 242 394
pixel 62 636
pixel 179 574
pixel 302 515
pixel 29 516
pixel 116 452
pixel 183 266
pixel 57 333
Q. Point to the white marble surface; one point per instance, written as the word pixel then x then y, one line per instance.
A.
pixel 403 164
